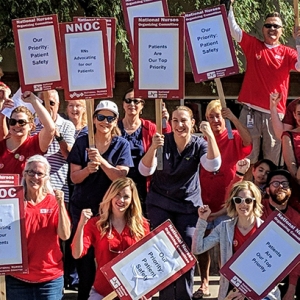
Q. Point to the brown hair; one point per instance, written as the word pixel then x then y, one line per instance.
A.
pixel 26 111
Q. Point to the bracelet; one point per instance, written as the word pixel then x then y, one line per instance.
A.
pixel 239 174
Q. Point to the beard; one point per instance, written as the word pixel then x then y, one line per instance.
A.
pixel 281 196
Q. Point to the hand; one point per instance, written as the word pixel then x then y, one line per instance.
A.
pixel 235 295
pixel 157 140
pixel 6 103
pixel 227 113
pixel 243 165
pixel 4 91
pixel 275 98
pixel 203 212
pixel 206 129
pixel 29 97
pixel 165 113
pixel 86 214
pixel 93 166
pixel 94 155
pixel 59 195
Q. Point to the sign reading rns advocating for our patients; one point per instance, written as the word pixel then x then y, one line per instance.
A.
pixel 159 57
pixel 209 44
pixel 266 258
pixel 13 251
pixel 87 69
pixel 149 265
pixel 38 52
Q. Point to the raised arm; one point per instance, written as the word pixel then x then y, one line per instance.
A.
pixel 47 133
pixel 289 155
pixel 235 30
pixel 77 244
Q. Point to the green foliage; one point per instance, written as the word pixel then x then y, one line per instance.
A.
pixel 248 14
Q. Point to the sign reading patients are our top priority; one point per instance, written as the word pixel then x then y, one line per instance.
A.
pixel 37 47
pixel 266 258
pixel 85 49
pixel 209 44
pixel 159 57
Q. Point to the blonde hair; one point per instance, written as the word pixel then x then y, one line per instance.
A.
pixel 212 105
pixel 238 187
pixel 84 115
pixel 133 214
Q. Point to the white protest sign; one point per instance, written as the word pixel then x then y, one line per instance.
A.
pixel 38 52
pixel 267 257
pixel 209 44
pixel 150 265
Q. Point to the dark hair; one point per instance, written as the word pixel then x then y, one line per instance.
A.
pixel 297 103
pixel 274 14
pixel 271 165
pixel 129 91
pixel 282 172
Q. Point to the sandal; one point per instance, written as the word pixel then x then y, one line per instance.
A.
pixel 201 292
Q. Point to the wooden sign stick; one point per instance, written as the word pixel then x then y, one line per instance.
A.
pixel 158 119
pixel 111 296
pixel 223 103
pixel 2 288
pixel 89 113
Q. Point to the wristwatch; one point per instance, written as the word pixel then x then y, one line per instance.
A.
pixel 59 137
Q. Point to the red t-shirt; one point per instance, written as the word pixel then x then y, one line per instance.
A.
pixel 44 255
pixel 239 239
pixel 14 162
pixel 267 70
pixel 106 250
pixel 213 185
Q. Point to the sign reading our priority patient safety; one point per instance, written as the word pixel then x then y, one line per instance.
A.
pixel 13 246
pixel 37 47
pixel 149 265
pixel 266 258
pixel 209 44
pixel 87 73
pixel 159 57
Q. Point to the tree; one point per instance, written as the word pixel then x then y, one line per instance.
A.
pixel 247 12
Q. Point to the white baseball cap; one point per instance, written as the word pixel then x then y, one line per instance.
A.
pixel 108 105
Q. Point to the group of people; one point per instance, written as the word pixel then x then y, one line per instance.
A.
pixel 115 193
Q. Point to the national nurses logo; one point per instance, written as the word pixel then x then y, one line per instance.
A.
pixel 236 281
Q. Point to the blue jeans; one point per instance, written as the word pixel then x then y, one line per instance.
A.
pixel 49 290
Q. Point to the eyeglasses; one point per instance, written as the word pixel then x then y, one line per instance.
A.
pixel 239 200
pixel 135 101
pixel 52 103
pixel 32 173
pixel 101 118
pixel 21 122
pixel 284 184
pixel 275 26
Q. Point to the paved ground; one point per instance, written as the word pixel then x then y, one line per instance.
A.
pixel 214 287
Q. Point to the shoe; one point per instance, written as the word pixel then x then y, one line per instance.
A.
pixel 201 292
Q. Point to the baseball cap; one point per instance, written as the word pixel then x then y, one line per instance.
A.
pixel 108 105
pixel 283 172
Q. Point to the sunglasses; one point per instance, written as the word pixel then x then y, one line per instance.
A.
pixel 275 26
pixel 32 173
pixel 135 101
pixel 21 122
pixel 239 200
pixel 101 118
pixel 52 103
pixel 284 184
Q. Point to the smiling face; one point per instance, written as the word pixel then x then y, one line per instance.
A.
pixel 182 123
pixel 133 108
pixel 272 35
pixel 121 201
pixel 104 126
pixel 75 110
pixel 243 209
pixel 279 196
pixel 216 121
pixel 18 130
pixel 260 174
pixel 35 175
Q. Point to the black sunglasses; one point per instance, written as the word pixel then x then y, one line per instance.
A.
pixel 135 101
pixel 52 103
pixel 275 26
pixel 21 122
pixel 101 118
pixel 239 200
